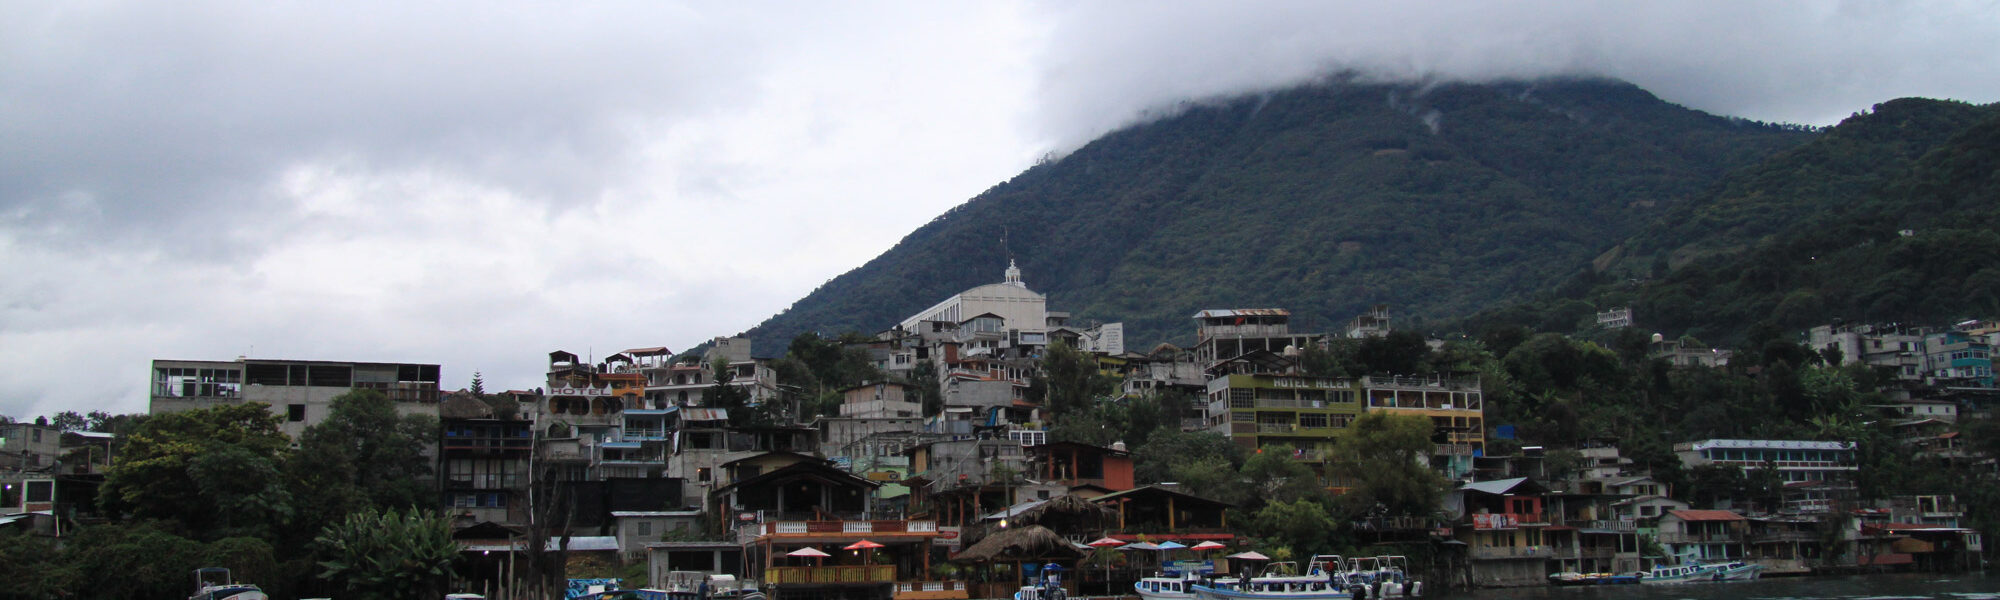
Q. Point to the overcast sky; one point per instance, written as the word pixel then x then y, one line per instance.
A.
pixel 474 184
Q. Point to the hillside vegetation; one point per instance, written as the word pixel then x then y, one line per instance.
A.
pixel 1891 216
pixel 1441 200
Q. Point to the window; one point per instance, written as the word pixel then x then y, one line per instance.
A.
pixel 1312 421
pixel 295 413
pixel 645 528
pixel 39 491
pixel 701 474
pixel 1041 494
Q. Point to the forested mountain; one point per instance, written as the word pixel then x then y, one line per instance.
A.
pixel 1438 199
pixel 1890 216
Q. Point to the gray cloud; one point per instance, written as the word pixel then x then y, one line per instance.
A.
pixel 475 183
pixel 1793 62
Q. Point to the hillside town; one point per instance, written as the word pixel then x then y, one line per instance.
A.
pixel 949 474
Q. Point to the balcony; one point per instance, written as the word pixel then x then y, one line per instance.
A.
pixel 1700 538
pixel 845 527
pixel 1512 552
pixel 1497 521
pixel 830 575
pixel 1617 525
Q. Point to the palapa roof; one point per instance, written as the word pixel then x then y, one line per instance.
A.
pixel 1032 542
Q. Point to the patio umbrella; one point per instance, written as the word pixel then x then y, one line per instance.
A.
pixel 810 552
pixel 1106 543
pixel 1247 556
pixel 1167 548
pixel 1206 546
pixel 864 545
pixel 1140 546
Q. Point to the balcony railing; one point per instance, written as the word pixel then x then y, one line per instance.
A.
pixel 1700 538
pixel 1617 525
pixel 846 527
pixel 906 587
pixel 1505 552
pixel 1508 520
pixel 835 574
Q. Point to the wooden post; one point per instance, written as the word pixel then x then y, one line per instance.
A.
pixel 1170 514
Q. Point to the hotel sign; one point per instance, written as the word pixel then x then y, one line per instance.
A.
pixel 580 391
pixel 1311 382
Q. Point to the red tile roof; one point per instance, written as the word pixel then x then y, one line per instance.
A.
pixel 1706 515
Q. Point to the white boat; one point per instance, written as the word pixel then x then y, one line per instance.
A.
pixel 1384 576
pixel 213 583
pixel 1700 572
pixel 1329 586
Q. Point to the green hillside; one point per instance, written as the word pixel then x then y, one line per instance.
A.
pixel 1891 216
pixel 1441 200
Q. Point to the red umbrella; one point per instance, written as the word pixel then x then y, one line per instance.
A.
pixel 864 545
pixel 1206 546
pixel 1107 543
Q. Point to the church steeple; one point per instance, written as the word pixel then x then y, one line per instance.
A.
pixel 1014 274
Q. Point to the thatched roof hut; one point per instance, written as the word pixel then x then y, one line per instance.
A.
pixel 1032 542
pixel 1068 513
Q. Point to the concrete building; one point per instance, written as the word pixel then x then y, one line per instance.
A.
pixel 1455 405
pixel 1892 346
pixel 300 391
pixel 1279 407
pixel 1223 334
pixel 1958 359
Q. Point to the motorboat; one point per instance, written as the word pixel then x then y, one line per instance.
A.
pixel 1384 576
pixel 1700 573
pixel 214 583
pixel 1575 578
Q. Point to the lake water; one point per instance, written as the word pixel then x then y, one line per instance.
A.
pixel 1966 586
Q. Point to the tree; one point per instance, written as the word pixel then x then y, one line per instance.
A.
pixel 1397 352
pixel 364 455
pixel 389 554
pixel 155 475
pixel 1169 448
pixel 1385 456
pixel 1073 379
pixel 1273 476
pixel 1302 525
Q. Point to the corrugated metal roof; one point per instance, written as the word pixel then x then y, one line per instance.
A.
pixel 586 543
pixel 1242 312
pixel 1497 486
pixel 705 414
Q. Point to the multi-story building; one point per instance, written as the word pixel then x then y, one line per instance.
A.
pixel 1892 347
pixel 1455 405
pixel 1504 525
pixel 483 463
pixel 1957 358
pixel 1223 334
pixel 1815 473
pixel 301 391
pixel 1264 403
pixel 670 383
pixel 1374 323
pixel 1615 318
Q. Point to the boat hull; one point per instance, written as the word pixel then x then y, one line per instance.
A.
pixel 1210 593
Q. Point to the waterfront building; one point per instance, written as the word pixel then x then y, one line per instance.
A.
pixel 1261 402
pixel 1815 473
pixel 1704 535
pixel 1959 359
pixel 483 463
pixel 1504 526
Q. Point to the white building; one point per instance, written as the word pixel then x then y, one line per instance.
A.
pixel 1019 308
